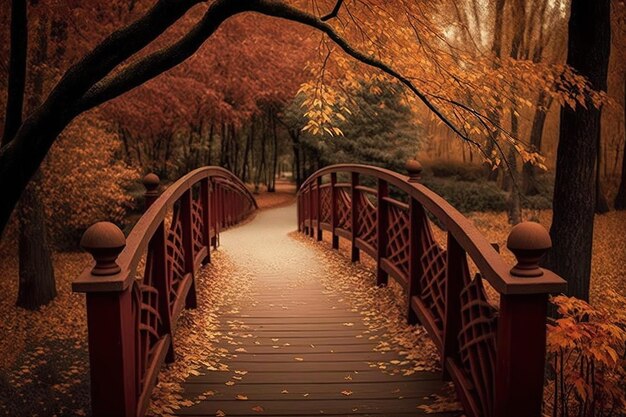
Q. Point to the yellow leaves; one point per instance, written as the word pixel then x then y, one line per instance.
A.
pixel 347 393
pixel 258 409
pixel 220 413
pixel 241 397
pixel 323 107
pixel 299 359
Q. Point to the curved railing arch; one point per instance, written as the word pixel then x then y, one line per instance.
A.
pixel 495 356
pixel 139 285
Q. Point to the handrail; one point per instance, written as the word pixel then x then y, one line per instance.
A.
pixel 495 356
pixel 139 237
pixel 490 263
pixel 132 313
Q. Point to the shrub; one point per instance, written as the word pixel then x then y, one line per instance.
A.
pixel 457 170
pixel 586 358
pixel 84 181
pixel 468 196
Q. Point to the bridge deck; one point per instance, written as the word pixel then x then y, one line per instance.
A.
pixel 302 350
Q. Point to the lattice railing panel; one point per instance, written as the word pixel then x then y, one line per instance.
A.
pixel 367 217
pixel 344 207
pixel 147 322
pixel 175 255
pixel 477 343
pixel 398 238
pixel 432 281
pixel 197 223
pixel 325 206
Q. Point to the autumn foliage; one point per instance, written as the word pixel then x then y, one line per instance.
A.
pixel 586 359
pixel 85 183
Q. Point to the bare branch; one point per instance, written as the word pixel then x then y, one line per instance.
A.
pixel 334 13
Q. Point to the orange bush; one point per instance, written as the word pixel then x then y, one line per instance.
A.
pixel 586 358
pixel 85 181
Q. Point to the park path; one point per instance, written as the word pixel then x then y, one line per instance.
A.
pixel 302 349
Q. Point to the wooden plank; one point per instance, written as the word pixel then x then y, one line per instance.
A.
pixel 391 389
pixel 308 405
pixel 327 377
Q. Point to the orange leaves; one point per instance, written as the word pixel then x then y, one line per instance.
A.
pixel 586 351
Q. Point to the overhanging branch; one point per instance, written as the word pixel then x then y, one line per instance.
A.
pixel 284 11
pixel 334 12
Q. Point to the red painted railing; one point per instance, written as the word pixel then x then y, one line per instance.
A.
pixel 139 285
pixel 494 355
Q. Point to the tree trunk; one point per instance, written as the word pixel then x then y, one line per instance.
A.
pixel 36 276
pixel 602 204
pixel 620 199
pixel 494 114
pixel 246 154
pixel 211 139
pixel 574 189
pixel 272 186
pixel 295 146
pixel 261 167
pixel 529 182
pixel 36 273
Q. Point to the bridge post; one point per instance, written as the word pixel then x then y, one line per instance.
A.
pixel 416 221
pixel 311 232
pixel 151 182
pixel 456 269
pixel 299 212
pixel 205 199
pixel 110 325
pixel 318 208
pixel 333 210
pixel 186 219
pixel 355 254
pixel 382 220
pixel 521 334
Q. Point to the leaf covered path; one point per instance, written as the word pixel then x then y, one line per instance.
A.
pixel 302 342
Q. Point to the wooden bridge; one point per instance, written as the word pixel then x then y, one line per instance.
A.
pixel 138 286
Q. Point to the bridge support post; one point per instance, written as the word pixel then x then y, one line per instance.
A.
pixel 186 216
pixel 110 324
pixel 318 208
pixel 333 210
pixel 417 220
pixel 311 229
pixel 521 334
pixel 205 193
pixel 520 358
pixel 456 269
pixel 355 254
pixel 382 220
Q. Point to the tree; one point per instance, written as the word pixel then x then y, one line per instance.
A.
pixel 380 131
pixel 36 273
pixel 620 199
pixel 574 190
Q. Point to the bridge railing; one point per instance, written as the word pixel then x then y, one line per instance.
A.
pixel 494 354
pixel 139 285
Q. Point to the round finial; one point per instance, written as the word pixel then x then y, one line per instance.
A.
pixel 104 241
pixel 151 182
pixel 414 169
pixel 528 241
